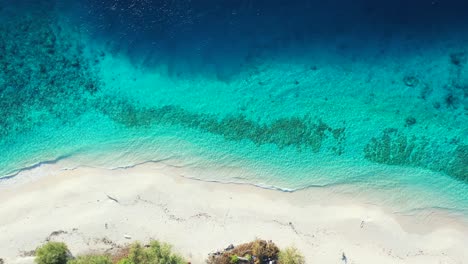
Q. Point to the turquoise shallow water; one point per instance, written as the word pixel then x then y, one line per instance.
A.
pixel 373 112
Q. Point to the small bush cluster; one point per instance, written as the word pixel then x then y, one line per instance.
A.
pixel 264 251
pixel 154 253
pixel 53 253
pixel 290 255
pixel 257 252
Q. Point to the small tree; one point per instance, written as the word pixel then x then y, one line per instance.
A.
pixel 291 255
pixel 52 253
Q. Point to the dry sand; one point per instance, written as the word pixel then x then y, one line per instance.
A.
pixel 97 209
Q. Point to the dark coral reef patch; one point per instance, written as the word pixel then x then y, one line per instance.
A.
pixel 44 73
pixel 299 132
pixel 398 148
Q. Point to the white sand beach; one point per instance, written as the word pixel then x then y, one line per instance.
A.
pixel 98 209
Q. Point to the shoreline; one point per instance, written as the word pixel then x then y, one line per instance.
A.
pixel 65 163
pixel 199 217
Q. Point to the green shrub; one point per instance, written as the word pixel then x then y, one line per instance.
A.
pixel 91 259
pixel 52 253
pixel 291 255
pixel 155 253
pixel 234 259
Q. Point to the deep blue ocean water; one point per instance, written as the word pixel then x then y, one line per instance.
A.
pixel 369 95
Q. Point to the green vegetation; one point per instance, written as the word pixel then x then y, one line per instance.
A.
pixel 91 259
pixel 53 253
pixel 290 255
pixel 155 253
pixel 234 259
pixel 255 252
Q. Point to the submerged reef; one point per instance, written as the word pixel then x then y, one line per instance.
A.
pixel 398 148
pixel 457 89
pixel 458 164
pixel 44 73
pixel 299 132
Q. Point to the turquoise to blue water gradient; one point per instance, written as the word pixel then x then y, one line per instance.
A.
pixel 371 97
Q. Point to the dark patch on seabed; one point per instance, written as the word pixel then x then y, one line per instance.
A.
pixel 299 132
pixel 46 75
pixel 396 148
